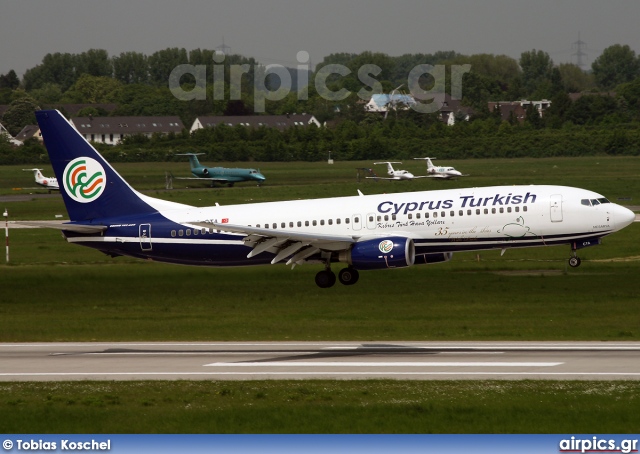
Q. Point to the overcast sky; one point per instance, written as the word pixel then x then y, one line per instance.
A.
pixel 274 31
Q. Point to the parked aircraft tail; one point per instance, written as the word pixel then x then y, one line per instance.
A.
pixel 193 159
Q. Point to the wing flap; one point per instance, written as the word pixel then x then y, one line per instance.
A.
pixel 284 243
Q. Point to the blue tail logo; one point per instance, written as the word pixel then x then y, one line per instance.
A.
pixel 84 179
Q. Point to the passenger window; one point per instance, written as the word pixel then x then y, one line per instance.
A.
pixel 517 209
pixel 370 218
pixel 417 215
pixel 477 210
pixel 508 209
pixel 393 217
pixel 330 221
pixel 386 217
pixel 486 211
pixel 290 224
pixel 410 216
pixel 275 226
pixel 306 223
pixel 299 223
pixel 180 232
pixel 453 213
pixel 195 232
pixel 501 210
pixel 173 233
pixel 468 212
pixel 338 221
pixel 282 225
pixel 443 214
pixel 493 211
pixel 435 215
pixel 315 222
pixel 426 215
pixel 321 221
pixel 524 208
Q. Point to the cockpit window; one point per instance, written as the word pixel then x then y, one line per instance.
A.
pixel 586 202
pixel 595 202
pixel 603 200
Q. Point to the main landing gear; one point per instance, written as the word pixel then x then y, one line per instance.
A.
pixel 327 278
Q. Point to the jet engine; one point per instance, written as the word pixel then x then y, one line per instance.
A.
pixel 380 253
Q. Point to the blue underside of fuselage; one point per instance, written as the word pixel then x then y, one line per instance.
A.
pixel 209 252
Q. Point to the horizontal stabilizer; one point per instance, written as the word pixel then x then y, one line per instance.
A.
pixel 78 228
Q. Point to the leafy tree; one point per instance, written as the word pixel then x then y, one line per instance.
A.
pixel 630 92
pixel 9 80
pixel 574 79
pixel 50 93
pixel 19 114
pixel 616 65
pixel 161 64
pixel 95 62
pixel 537 68
pixel 131 68
pixel 94 89
pixel 56 68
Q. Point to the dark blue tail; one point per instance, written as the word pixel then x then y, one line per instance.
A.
pixel 90 187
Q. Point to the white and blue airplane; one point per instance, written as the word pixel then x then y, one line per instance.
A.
pixel 362 232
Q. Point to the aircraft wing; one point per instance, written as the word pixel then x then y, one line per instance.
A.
pixel 283 243
pixel 78 228
pixel 383 178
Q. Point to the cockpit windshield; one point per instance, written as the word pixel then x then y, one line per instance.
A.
pixel 594 202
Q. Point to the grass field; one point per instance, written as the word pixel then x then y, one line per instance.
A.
pixel 54 291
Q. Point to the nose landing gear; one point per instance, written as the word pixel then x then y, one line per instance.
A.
pixel 574 261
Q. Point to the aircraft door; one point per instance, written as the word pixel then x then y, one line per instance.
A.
pixel 371 221
pixel 556 208
pixel 356 222
pixel 145 237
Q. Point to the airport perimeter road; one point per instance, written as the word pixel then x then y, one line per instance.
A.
pixel 328 360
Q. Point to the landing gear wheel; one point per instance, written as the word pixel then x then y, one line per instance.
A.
pixel 574 262
pixel 348 276
pixel 325 279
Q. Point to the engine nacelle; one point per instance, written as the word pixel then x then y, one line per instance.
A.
pixel 436 257
pixel 380 253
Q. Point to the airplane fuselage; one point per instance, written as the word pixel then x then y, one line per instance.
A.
pixel 231 175
pixel 437 221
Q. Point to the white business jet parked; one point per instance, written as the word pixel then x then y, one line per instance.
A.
pixel 362 232
pixel 41 180
pixel 395 174
pixel 440 172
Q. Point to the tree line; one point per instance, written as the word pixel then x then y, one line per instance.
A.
pixel 608 111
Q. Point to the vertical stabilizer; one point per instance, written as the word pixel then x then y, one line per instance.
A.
pixel 90 187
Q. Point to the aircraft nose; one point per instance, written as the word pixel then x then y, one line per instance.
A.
pixel 623 217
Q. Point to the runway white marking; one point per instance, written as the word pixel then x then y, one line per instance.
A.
pixel 385 364
pixel 386 374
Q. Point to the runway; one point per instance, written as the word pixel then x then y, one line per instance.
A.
pixel 322 360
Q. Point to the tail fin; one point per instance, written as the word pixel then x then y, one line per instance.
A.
pixel 90 187
pixel 193 159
